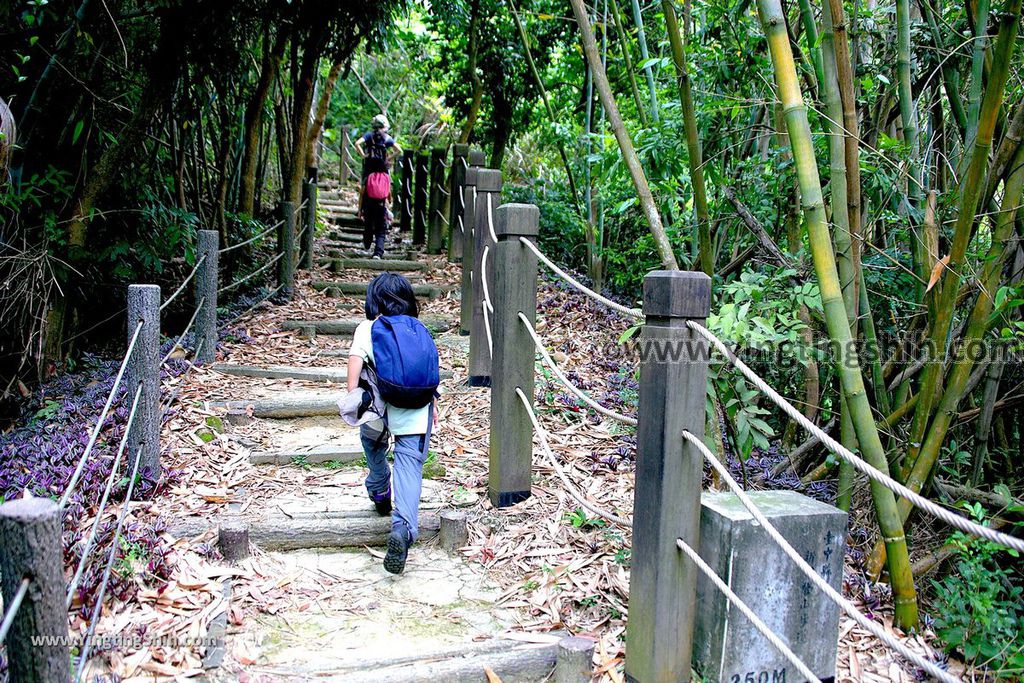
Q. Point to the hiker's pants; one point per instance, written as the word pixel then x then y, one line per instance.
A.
pixel 375 225
pixel 405 483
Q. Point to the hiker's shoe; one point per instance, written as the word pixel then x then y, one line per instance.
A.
pixel 398 549
pixel 382 502
pixel 376 257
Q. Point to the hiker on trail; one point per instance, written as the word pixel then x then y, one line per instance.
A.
pixel 377 149
pixel 393 376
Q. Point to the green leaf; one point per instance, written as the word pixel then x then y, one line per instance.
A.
pixel 78 131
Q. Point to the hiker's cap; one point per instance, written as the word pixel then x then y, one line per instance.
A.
pixel 380 122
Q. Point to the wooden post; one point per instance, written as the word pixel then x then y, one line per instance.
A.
pixel 286 246
pixel 468 251
pixel 575 663
pixel 673 395
pixel 309 195
pixel 408 165
pixel 343 152
pixel 144 368
pixel 233 539
pixel 419 218
pixel 514 291
pixel 30 547
pixel 488 184
pixel 454 533
pixel 456 201
pixel 435 216
pixel 206 297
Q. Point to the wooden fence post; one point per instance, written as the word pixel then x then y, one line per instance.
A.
pixel 286 247
pixel 309 196
pixel 343 154
pixel 456 201
pixel 31 547
pixel 514 292
pixel 144 368
pixel 435 216
pixel 488 189
pixel 421 191
pixel 206 297
pixel 673 395
pixel 468 251
pixel 408 166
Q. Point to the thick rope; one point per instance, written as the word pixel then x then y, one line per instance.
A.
pixel 483 278
pixel 490 218
pixel 114 546
pixel 441 216
pixel 188 328
pixel 252 239
pixel 103 500
pixel 819 582
pixel 184 283
pixel 487 329
pixel 103 416
pixel 570 488
pixel 12 609
pixel 243 280
pixel 885 480
pixel 633 312
pixel 734 599
pixel 565 380
pixel 249 310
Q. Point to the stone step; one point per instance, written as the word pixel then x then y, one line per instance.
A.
pixel 339 265
pixel 286 407
pixel 338 375
pixel 348 325
pixel 339 289
pixel 508 660
pixel 350 237
pixel 399 254
pixel 324 530
pixel 334 454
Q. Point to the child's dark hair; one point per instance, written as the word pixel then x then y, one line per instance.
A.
pixel 390 294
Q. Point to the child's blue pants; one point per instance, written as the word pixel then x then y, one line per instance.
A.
pixel 410 454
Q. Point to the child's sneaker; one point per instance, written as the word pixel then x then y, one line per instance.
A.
pixel 398 549
pixel 382 502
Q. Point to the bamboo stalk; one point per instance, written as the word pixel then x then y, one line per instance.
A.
pixel 628 59
pixel 773 20
pixel 678 41
pixel 629 154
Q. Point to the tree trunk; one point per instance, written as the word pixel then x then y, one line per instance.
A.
pixel 478 87
pixel 321 110
pixel 269 65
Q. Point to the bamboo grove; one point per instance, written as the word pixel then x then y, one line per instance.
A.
pixel 848 172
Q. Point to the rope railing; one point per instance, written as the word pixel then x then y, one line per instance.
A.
pixel 181 288
pixel 254 238
pixel 919 501
pixel 246 278
pixel 105 581
pixel 93 532
pixel 188 328
pixel 442 217
pixel 12 609
pixel 490 217
pixel 608 412
pixel 820 583
pixel 102 418
pixel 734 599
pixel 569 486
pixel 249 310
pixel 486 304
pixel 633 312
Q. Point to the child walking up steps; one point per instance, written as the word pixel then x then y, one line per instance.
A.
pixel 393 377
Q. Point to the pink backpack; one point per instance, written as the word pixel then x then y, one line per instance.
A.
pixel 378 185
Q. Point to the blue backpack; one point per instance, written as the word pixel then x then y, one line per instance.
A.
pixel 405 359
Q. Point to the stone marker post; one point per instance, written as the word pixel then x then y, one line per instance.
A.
pixel 206 297
pixel 575 663
pixel 435 222
pixel 468 251
pixel 725 644
pixel 488 194
pixel 343 171
pixel 673 376
pixel 408 165
pixel 309 196
pixel 144 369
pixel 286 247
pixel 419 211
pixel 514 292
pixel 456 201
pixel 30 547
